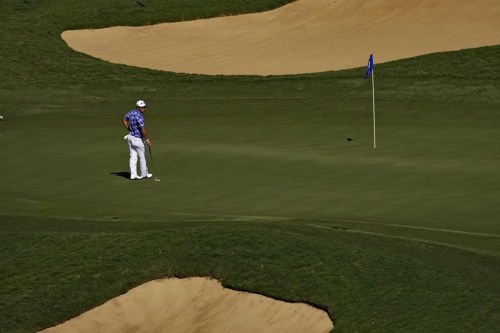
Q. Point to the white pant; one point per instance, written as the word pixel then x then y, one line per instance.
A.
pixel 137 149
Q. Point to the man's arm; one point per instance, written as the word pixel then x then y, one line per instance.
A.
pixel 125 122
pixel 145 135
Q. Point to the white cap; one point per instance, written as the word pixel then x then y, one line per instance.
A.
pixel 140 103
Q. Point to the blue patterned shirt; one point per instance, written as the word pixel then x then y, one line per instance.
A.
pixel 135 122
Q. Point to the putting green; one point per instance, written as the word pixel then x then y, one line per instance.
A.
pixel 421 178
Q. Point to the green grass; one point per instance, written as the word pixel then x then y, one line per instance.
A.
pixel 368 283
pixel 259 186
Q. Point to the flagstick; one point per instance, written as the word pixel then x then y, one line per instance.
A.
pixel 373 94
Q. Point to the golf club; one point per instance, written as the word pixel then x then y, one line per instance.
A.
pixel 151 155
pixel 363 143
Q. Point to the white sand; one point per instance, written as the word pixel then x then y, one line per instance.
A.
pixel 196 305
pixel 304 36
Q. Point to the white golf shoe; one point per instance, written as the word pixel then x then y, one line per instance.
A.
pixel 149 175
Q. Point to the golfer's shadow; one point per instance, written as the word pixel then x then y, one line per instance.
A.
pixel 124 174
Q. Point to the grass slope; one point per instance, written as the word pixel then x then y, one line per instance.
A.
pixel 259 187
pixel 58 267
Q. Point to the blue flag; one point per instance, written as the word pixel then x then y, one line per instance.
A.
pixel 369 69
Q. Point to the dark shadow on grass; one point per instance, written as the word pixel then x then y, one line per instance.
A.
pixel 124 174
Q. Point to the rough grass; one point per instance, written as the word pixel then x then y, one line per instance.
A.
pixel 58 267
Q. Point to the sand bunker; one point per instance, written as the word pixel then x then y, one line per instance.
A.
pixel 196 305
pixel 302 37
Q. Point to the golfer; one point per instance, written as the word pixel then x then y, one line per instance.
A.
pixel 134 122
